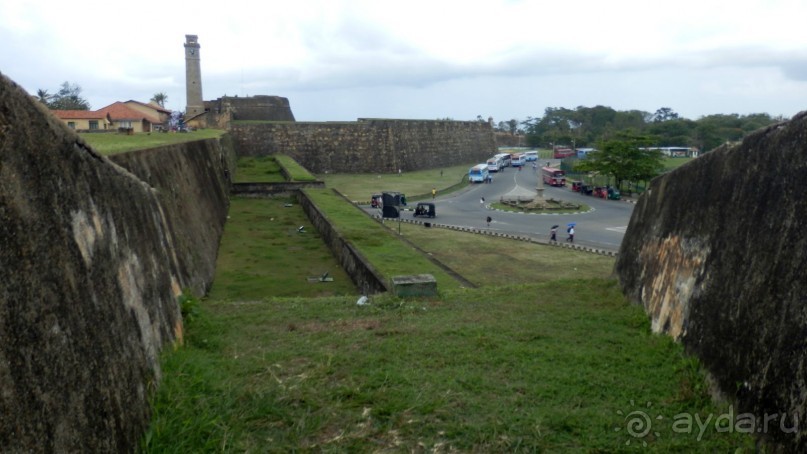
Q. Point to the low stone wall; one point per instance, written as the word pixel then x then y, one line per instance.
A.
pixel 93 258
pixel 716 252
pixel 368 145
pixel 364 275
pixel 271 189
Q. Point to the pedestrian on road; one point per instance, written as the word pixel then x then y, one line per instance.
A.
pixel 571 235
pixel 434 193
pixel 488 219
pixel 553 234
pixel 482 201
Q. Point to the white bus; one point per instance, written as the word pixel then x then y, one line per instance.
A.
pixel 517 160
pixel 478 173
pixel 494 164
pixel 505 158
pixel 531 156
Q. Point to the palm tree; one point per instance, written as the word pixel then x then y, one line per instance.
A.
pixel 44 97
pixel 159 98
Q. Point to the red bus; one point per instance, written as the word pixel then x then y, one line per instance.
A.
pixel 561 153
pixel 553 176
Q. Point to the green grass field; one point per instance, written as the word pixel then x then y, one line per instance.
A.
pixel 542 358
pixel 111 143
pixel 360 187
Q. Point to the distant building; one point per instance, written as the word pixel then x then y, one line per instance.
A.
pixel 84 120
pixel 124 117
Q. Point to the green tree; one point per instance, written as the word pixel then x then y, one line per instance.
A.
pixel 664 114
pixel 625 157
pixel 69 98
pixel 159 99
pixel 43 96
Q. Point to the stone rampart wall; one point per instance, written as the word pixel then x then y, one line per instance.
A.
pixel 93 258
pixel 368 145
pixel 716 252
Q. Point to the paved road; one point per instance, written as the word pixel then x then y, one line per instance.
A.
pixel 603 227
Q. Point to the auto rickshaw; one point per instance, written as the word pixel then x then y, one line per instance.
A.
pixel 375 201
pixel 586 189
pixel 613 194
pixel 425 209
pixel 600 191
pixel 577 186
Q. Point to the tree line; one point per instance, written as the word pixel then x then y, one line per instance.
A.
pixel 69 97
pixel 588 126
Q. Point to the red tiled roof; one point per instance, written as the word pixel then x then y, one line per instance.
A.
pixel 79 114
pixel 151 105
pixel 119 111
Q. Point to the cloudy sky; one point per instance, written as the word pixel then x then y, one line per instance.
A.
pixel 345 59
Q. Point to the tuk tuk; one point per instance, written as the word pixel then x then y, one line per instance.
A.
pixel 587 189
pixel 600 192
pixel 425 209
pixel 577 186
pixel 375 201
pixel 613 194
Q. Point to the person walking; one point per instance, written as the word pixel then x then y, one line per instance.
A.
pixel 482 201
pixel 488 219
pixel 434 193
pixel 553 234
pixel 571 235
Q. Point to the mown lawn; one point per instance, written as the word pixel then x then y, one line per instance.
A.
pixel 111 143
pixel 360 187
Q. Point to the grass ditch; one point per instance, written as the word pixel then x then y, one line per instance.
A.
pixel 112 143
pixel 262 254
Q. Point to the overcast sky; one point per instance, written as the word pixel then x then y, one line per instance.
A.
pixel 346 59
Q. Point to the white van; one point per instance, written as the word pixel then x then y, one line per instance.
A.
pixel 530 156
pixel 494 164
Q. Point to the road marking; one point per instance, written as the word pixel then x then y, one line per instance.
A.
pixel 618 229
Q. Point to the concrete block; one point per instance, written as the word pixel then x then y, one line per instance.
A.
pixel 414 285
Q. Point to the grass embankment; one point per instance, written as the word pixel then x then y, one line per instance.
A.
pixel 416 185
pixel 295 171
pixel 111 143
pixel 380 246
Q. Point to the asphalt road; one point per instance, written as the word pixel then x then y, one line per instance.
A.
pixel 603 227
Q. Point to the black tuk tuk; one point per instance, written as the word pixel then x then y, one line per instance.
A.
pixel 375 201
pixel 425 209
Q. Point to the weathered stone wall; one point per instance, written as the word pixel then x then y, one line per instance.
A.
pixel 368 145
pixel 716 252
pixel 93 258
pixel 259 107
pixel 362 272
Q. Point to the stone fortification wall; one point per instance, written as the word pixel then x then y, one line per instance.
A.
pixel 93 258
pixel 260 107
pixel 369 145
pixel 716 252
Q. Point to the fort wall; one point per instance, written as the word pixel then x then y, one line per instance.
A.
pixel 368 145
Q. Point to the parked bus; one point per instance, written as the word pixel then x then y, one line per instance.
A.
pixel 478 173
pixel 505 158
pixel 531 156
pixel 561 153
pixel 517 160
pixel 553 176
pixel 494 164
